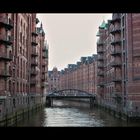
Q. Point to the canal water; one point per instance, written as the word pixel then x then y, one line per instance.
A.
pixel 72 114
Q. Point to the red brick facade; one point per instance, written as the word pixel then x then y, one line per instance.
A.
pixel 119 85
pixel 23 60
pixel 80 76
pixel 115 75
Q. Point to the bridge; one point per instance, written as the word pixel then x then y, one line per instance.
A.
pixel 69 93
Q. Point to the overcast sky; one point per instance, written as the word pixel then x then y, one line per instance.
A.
pixel 70 36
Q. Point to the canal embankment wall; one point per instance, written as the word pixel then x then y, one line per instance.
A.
pixel 10 115
pixel 123 115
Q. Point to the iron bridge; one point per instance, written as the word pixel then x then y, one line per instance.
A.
pixel 69 93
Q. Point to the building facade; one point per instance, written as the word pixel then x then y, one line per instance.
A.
pixel 53 80
pixel 119 81
pixel 81 75
pixel 21 60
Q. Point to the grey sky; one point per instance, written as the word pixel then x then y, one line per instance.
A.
pixel 70 36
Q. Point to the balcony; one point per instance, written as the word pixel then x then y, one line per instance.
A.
pixel 100 65
pixel 43 71
pixel 117 95
pixel 100 50
pixel 44 56
pixel 34 33
pixel 100 58
pixel 116 52
pixel 100 43
pixel 116 41
pixel 33 82
pixel 117 79
pixel 43 84
pixel 101 84
pixel 116 18
pixel 5 74
pixel 34 42
pixel 34 53
pixel 7 23
pixel 7 40
pixel 100 73
pixel 115 30
pixel 43 48
pixel 116 64
pixel 43 64
pixel 34 63
pixel 43 79
pixel 6 57
pixel 34 72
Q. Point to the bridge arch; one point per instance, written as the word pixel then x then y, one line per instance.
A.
pixel 69 93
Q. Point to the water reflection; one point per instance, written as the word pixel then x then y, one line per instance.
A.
pixel 72 114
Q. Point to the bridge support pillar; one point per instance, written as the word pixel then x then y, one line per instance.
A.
pixel 49 102
pixel 91 102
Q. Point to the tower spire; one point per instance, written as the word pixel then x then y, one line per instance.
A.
pixel 103 17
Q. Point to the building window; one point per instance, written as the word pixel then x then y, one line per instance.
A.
pixel 123 44
pixel 17 87
pixel 10 86
pixel 20 50
pixel 123 34
pixel 10 70
pixel 14 102
pixel 23 52
pixel 123 22
pixel 13 72
pixel 21 37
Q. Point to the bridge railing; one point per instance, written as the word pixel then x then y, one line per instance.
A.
pixel 70 92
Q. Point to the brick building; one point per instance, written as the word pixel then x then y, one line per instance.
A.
pixel 53 80
pixel 21 59
pixel 119 81
pixel 81 75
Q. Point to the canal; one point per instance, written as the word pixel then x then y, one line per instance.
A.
pixel 72 114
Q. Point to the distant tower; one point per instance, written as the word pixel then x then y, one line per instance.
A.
pixel 53 79
pixel 103 17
